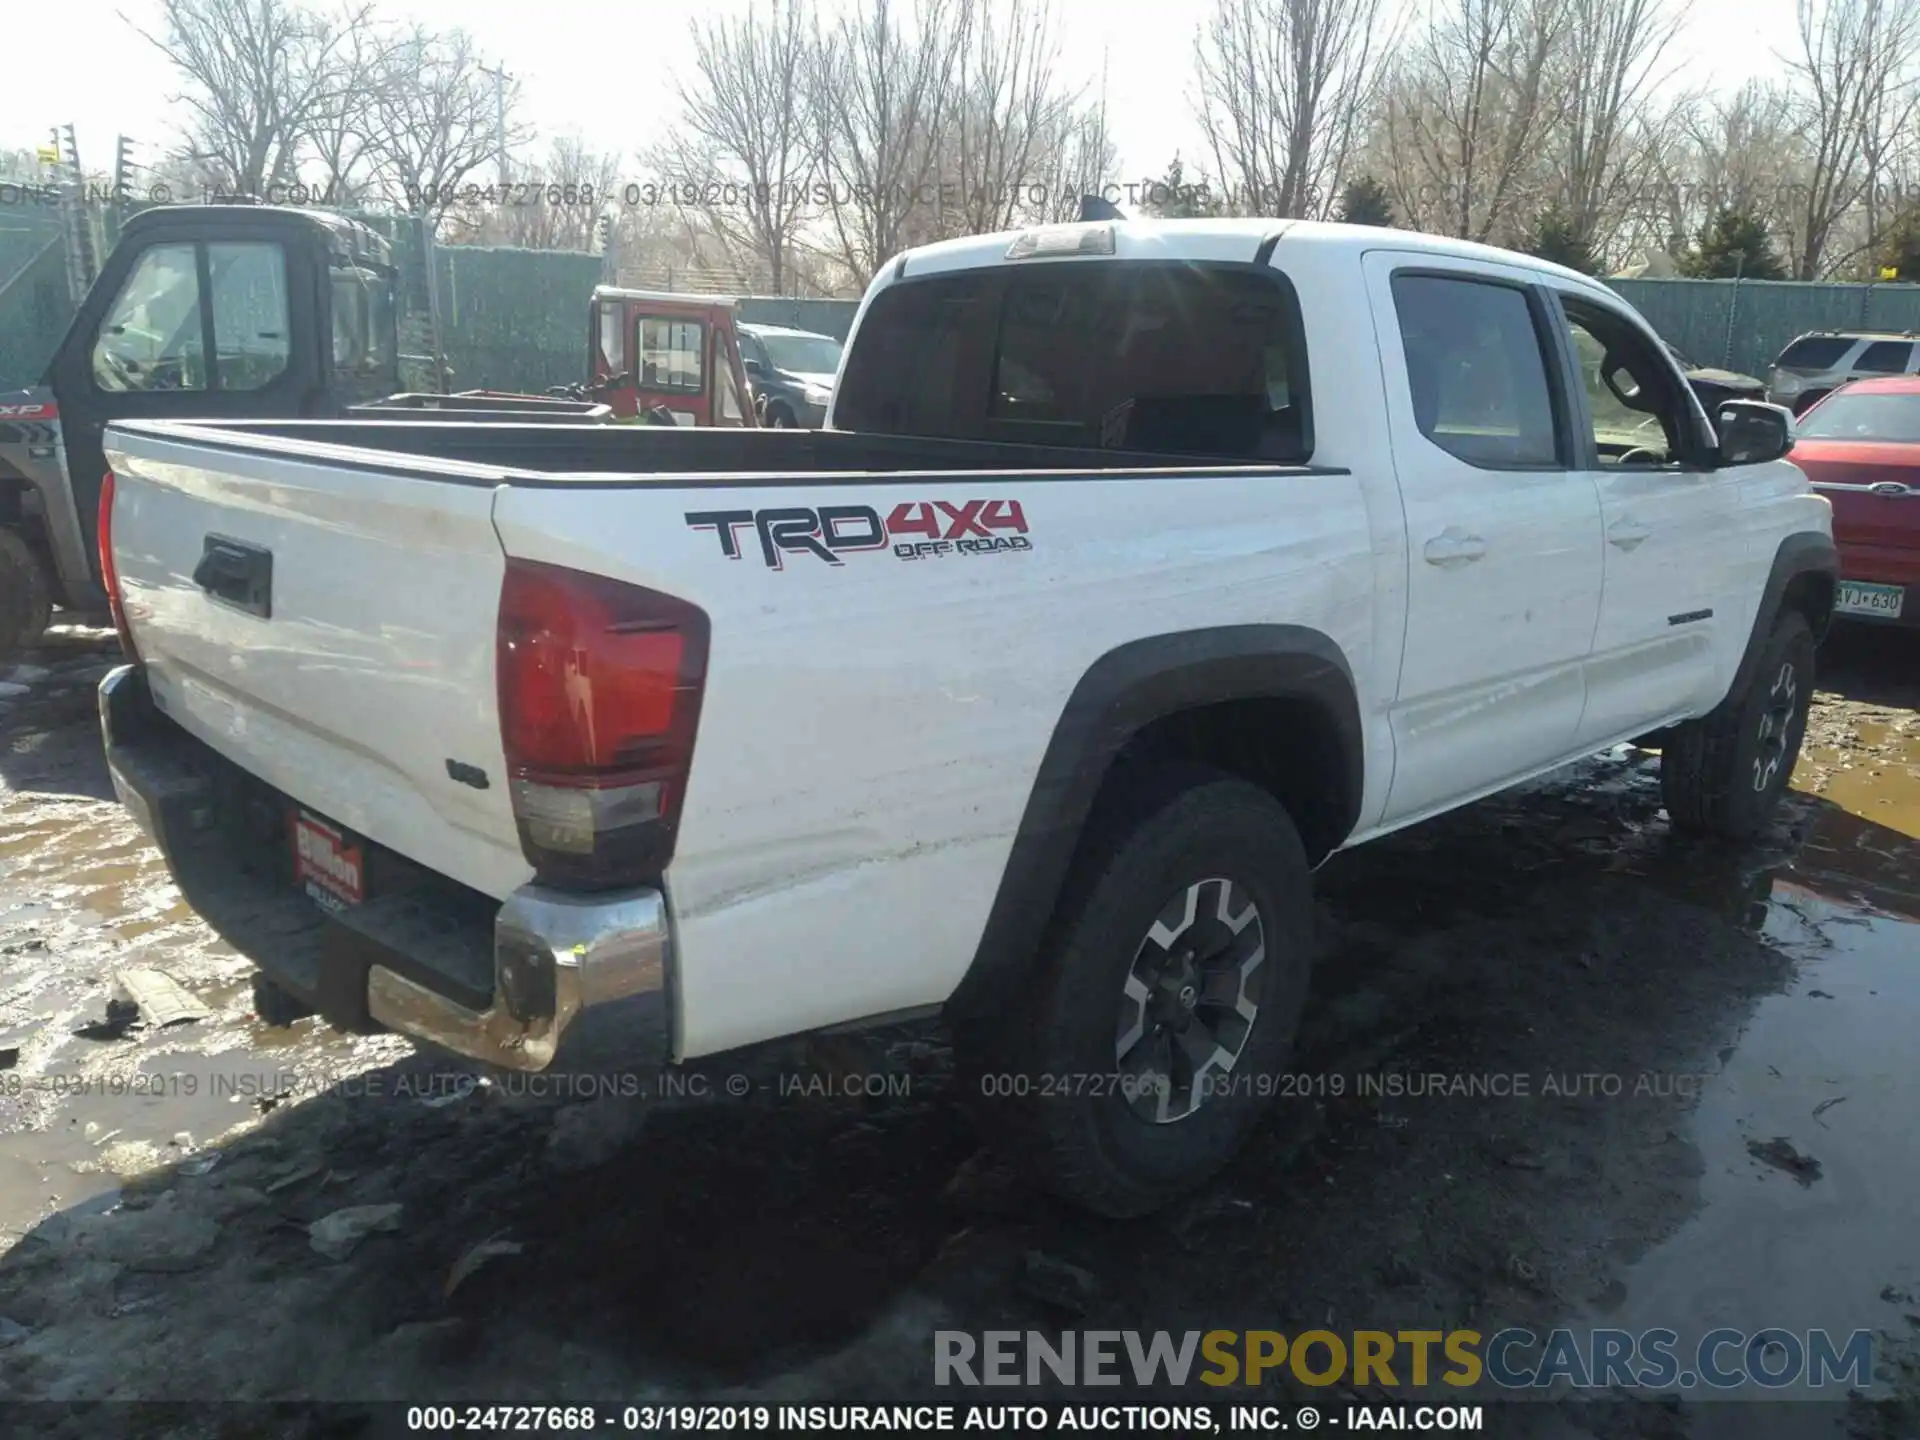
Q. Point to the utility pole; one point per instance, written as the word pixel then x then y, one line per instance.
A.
pixel 499 77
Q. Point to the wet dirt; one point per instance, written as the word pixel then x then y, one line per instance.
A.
pixel 1550 1051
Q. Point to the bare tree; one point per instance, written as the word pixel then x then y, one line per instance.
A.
pixel 340 127
pixel 1012 119
pixel 884 94
pixel 1607 134
pixel 1283 87
pixel 1467 114
pixel 257 72
pixel 1852 75
pixel 1075 158
pixel 435 120
pixel 557 203
pixel 747 111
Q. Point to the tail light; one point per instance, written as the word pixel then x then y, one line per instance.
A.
pixel 109 576
pixel 600 687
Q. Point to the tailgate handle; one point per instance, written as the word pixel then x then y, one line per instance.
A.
pixel 239 574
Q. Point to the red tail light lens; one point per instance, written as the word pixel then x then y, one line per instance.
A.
pixel 600 687
pixel 109 576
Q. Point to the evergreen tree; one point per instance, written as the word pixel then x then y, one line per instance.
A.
pixel 1734 244
pixel 1365 201
pixel 1555 237
pixel 1177 195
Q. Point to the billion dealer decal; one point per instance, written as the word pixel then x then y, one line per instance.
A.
pixel 913 530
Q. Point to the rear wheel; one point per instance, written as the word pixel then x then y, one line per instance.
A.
pixel 1724 774
pixel 1133 1066
pixel 26 594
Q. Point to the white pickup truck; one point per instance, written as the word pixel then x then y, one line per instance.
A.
pixel 1141 568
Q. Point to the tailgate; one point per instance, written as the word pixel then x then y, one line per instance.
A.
pixel 329 627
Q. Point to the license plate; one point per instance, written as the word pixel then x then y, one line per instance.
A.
pixel 327 864
pixel 1855 598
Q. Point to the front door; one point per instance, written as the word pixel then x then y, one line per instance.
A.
pixel 1503 528
pixel 1673 552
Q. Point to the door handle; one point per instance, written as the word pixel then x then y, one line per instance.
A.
pixel 1453 546
pixel 1626 534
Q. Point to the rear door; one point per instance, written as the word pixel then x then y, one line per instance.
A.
pixel 1503 528
pixel 1674 555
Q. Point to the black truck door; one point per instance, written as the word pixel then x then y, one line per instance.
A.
pixel 192 318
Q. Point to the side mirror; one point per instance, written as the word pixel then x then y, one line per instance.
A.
pixel 751 365
pixel 1753 432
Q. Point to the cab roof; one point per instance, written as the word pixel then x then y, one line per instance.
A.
pixel 1215 240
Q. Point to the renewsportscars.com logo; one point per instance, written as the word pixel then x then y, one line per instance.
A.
pixel 913 530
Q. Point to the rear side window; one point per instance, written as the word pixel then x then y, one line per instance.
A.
pixel 1886 357
pixel 1815 352
pixel 1476 371
pixel 1156 357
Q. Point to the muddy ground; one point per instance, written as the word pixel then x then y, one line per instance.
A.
pixel 1717 1126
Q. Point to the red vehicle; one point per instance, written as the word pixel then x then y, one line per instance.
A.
pixel 677 352
pixel 1860 446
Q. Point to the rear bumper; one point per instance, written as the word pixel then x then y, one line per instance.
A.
pixel 546 981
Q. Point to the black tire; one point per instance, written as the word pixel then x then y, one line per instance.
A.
pixel 780 418
pixel 275 1005
pixel 1724 773
pixel 26 596
pixel 1046 1077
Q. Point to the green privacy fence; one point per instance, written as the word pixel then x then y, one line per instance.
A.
pixel 1742 324
pixel 34 310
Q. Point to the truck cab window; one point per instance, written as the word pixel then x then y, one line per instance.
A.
pixel 150 337
pixel 248 283
pixel 1476 371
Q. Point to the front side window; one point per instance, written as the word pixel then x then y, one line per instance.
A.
pixel 672 355
pixel 803 354
pixel 1630 393
pixel 1476 371
pixel 248 284
pixel 613 337
pixel 150 338
pixel 726 395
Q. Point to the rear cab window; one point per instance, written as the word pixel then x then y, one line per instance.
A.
pixel 1886 357
pixel 1815 352
pixel 1160 357
pixel 1477 371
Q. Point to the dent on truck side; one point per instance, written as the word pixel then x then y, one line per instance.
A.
pixel 1126 691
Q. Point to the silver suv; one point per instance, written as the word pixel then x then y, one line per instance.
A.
pixel 1823 361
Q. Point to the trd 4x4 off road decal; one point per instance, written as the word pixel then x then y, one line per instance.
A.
pixel 914 530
